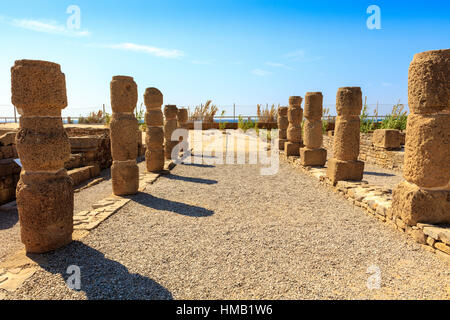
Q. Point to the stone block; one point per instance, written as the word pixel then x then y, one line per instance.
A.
pixel 282 134
pixel 349 101
pixel 154 118
pixel 154 138
pixel 124 94
pixel 313 137
pixel 427 150
pixel 123 129
pixel 170 112
pixel 346 138
pixel 38 88
pixel 428 82
pixel 294 134
pixel 155 160
pixel 386 138
pixel 313 105
pixel 125 177
pixel 182 115
pixel 153 98
pixel 168 147
pixel 295 116
pixel 45 205
pixel 283 123
pixel 415 205
pixel 313 157
pixel 169 127
pixel 281 143
pixel 295 101
pixel 282 112
pixel 338 170
pixel 8 139
pixel 292 149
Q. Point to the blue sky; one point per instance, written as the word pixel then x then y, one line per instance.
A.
pixel 243 52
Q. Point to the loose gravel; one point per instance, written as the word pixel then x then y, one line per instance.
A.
pixel 226 232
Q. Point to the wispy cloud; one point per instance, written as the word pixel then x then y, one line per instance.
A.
pixel 51 27
pixel 386 84
pixel 295 55
pixel 260 72
pixel 151 50
pixel 203 62
pixel 278 65
pixel 300 55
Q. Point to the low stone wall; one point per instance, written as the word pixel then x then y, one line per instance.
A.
pixel 90 153
pixel 377 201
pixel 390 159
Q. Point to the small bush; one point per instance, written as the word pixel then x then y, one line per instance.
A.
pixel 397 119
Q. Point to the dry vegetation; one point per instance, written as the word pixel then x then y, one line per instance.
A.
pixel 204 112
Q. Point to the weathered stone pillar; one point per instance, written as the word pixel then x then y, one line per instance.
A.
pixel 313 154
pixel 154 139
pixel 123 131
pixel 170 125
pixel 424 196
pixel 182 117
pixel 294 131
pixel 283 124
pixel 345 165
pixel 45 191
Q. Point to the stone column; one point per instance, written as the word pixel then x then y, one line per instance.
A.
pixel 424 196
pixel 170 125
pixel 283 124
pixel 182 117
pixel 154 139
pixel 313 154
pixel 123 131
pixel 345 165
pixel 45 191
pixel 294 131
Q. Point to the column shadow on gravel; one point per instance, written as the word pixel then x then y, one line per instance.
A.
pixel 189 179
pixel 101 278
pixel 156 203
pixel 8 219
pixel 198 165
pixel 380 174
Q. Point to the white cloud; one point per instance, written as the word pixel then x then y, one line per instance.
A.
pixel 278 65
pixel 295 55
pixel 260 72
pixel 202 62
pixel 45 26
pixel 386 84
pixel 154 51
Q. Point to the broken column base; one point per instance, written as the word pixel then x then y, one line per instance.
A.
pixel 45 204
pixel 415 205
pixel 281 143
pixel 292 149
pixel 125 177
pixel 345 170
pixel 313 157
pixel 154 160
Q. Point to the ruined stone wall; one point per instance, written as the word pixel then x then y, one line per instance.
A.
pixel 390 159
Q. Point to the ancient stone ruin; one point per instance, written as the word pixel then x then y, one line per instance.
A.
pixel 387 139
pixel 345 165
pixel 424 196
pixel 45 191
pixel 170 125
pixel 313 154
pixel 123 128
pixel 283 124
pixel 154 139
pixel 294 131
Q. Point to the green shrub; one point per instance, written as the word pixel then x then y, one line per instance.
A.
pixel 397 119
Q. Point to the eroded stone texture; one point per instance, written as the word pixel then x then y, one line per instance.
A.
pixel 425 195
pixel 345 165
pixel 170 125
pixel 428 82
pixel 386 138
pixel 313 154
pixel 283 124
pixel 125 177
pixel 154 139
pixel 427 150
pixel 44 191
pixel 413 204
pixel 123 94
pixel 124 137
pixel 294 130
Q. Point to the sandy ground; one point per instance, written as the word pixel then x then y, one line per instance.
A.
pixel 213 231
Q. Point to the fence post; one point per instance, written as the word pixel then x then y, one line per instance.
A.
pixel 15 115
pixel 234 112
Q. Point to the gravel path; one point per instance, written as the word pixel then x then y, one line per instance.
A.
pixel 226 232
pixel 83 200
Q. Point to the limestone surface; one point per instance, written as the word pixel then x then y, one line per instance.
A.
pixel 124 94
pixel 154 139
pixel 125 177
pixel 386 138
